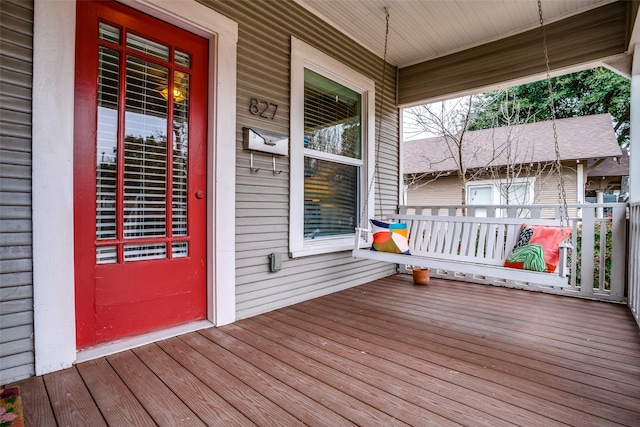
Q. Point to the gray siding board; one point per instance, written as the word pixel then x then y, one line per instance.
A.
pixel 16 199
pixel 20 105
pixel 16 278
pixel 16 143
pixel 17 333
pixel 18 319
pixel 19 158
pixel 10 375
pixel 16 347
pixel 15 129
pixel 262 200
pixel 258 285
pixel 16 359
pixel 15 70
pixel 18 51
pixel 15 306
pixel 15 212
pixel 15 293
pixel 11 116
pixel 10 185
pixel 14 239
pixel 15 226
pixel 21 10
pixel 14 92
pixel 15 252
pixel 249 308
pixel 248 237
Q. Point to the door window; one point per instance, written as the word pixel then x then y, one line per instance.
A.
pixel 145 217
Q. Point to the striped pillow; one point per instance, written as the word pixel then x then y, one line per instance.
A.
pixel 537 248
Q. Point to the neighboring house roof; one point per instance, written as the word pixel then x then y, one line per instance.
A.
pixel 613 166
pixel 579 138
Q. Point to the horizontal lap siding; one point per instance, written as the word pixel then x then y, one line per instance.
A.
pixel 16 278
pixel 262 200
pixel 446 190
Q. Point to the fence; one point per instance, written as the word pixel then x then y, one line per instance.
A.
pixel 598 261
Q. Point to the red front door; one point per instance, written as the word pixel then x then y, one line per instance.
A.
pixel 139 173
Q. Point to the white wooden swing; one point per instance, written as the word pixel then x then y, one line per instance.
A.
pixel 471 246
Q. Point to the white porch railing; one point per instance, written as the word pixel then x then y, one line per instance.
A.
pixel 633 277
pixel 598 262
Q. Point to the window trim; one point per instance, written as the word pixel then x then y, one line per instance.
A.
pixel 530 181
pixel 496 193
pixel 305 56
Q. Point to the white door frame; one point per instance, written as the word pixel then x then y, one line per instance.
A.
pixel 52 176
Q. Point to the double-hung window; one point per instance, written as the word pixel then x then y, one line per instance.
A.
pixel 515 191
pixel 332 122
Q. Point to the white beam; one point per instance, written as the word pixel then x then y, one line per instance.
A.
pixel 634 160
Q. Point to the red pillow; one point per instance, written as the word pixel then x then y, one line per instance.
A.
pixel 537 248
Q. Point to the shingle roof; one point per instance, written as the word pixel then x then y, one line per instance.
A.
pixel 611 167
pixel 586 137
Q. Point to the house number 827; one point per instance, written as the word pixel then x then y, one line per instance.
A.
pixel 264 109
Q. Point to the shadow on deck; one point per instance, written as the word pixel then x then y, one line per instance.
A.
pixel 384 353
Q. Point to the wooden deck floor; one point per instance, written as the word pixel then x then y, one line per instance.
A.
pixel 386 353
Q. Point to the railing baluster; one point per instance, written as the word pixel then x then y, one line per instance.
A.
pixel 611 283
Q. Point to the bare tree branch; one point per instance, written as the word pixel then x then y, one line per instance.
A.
pixel 508 162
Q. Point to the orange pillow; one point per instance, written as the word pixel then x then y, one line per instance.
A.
pixel 537 248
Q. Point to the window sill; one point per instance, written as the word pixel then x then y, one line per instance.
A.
pixel 324 246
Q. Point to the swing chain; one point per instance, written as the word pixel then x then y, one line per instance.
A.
pixel 376 172
pixel 562 195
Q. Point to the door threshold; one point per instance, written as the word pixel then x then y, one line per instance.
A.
pixel 106 349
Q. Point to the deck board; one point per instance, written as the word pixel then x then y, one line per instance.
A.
pixel 512 357
pixel 239 395
pixel 307 380
pixel 157 398
pixel 450 352
pixel 70 399
pixel 116 402
pixel 384 353
pixel 203 401
pixel 305 409
pixel 40 412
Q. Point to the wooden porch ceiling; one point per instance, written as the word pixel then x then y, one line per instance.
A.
pixel 385 353
pixel 447 49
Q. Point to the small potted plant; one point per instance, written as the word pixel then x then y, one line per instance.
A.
pixel 421 275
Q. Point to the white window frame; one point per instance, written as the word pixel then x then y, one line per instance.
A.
pixel 530 181
pixel 305 56
pixel 469 186
pixel 496 193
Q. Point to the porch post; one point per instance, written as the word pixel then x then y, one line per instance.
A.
pixel 52 177
pixel 599 199
pixel 634 165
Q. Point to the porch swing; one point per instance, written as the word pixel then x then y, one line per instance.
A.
pixel 519 250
